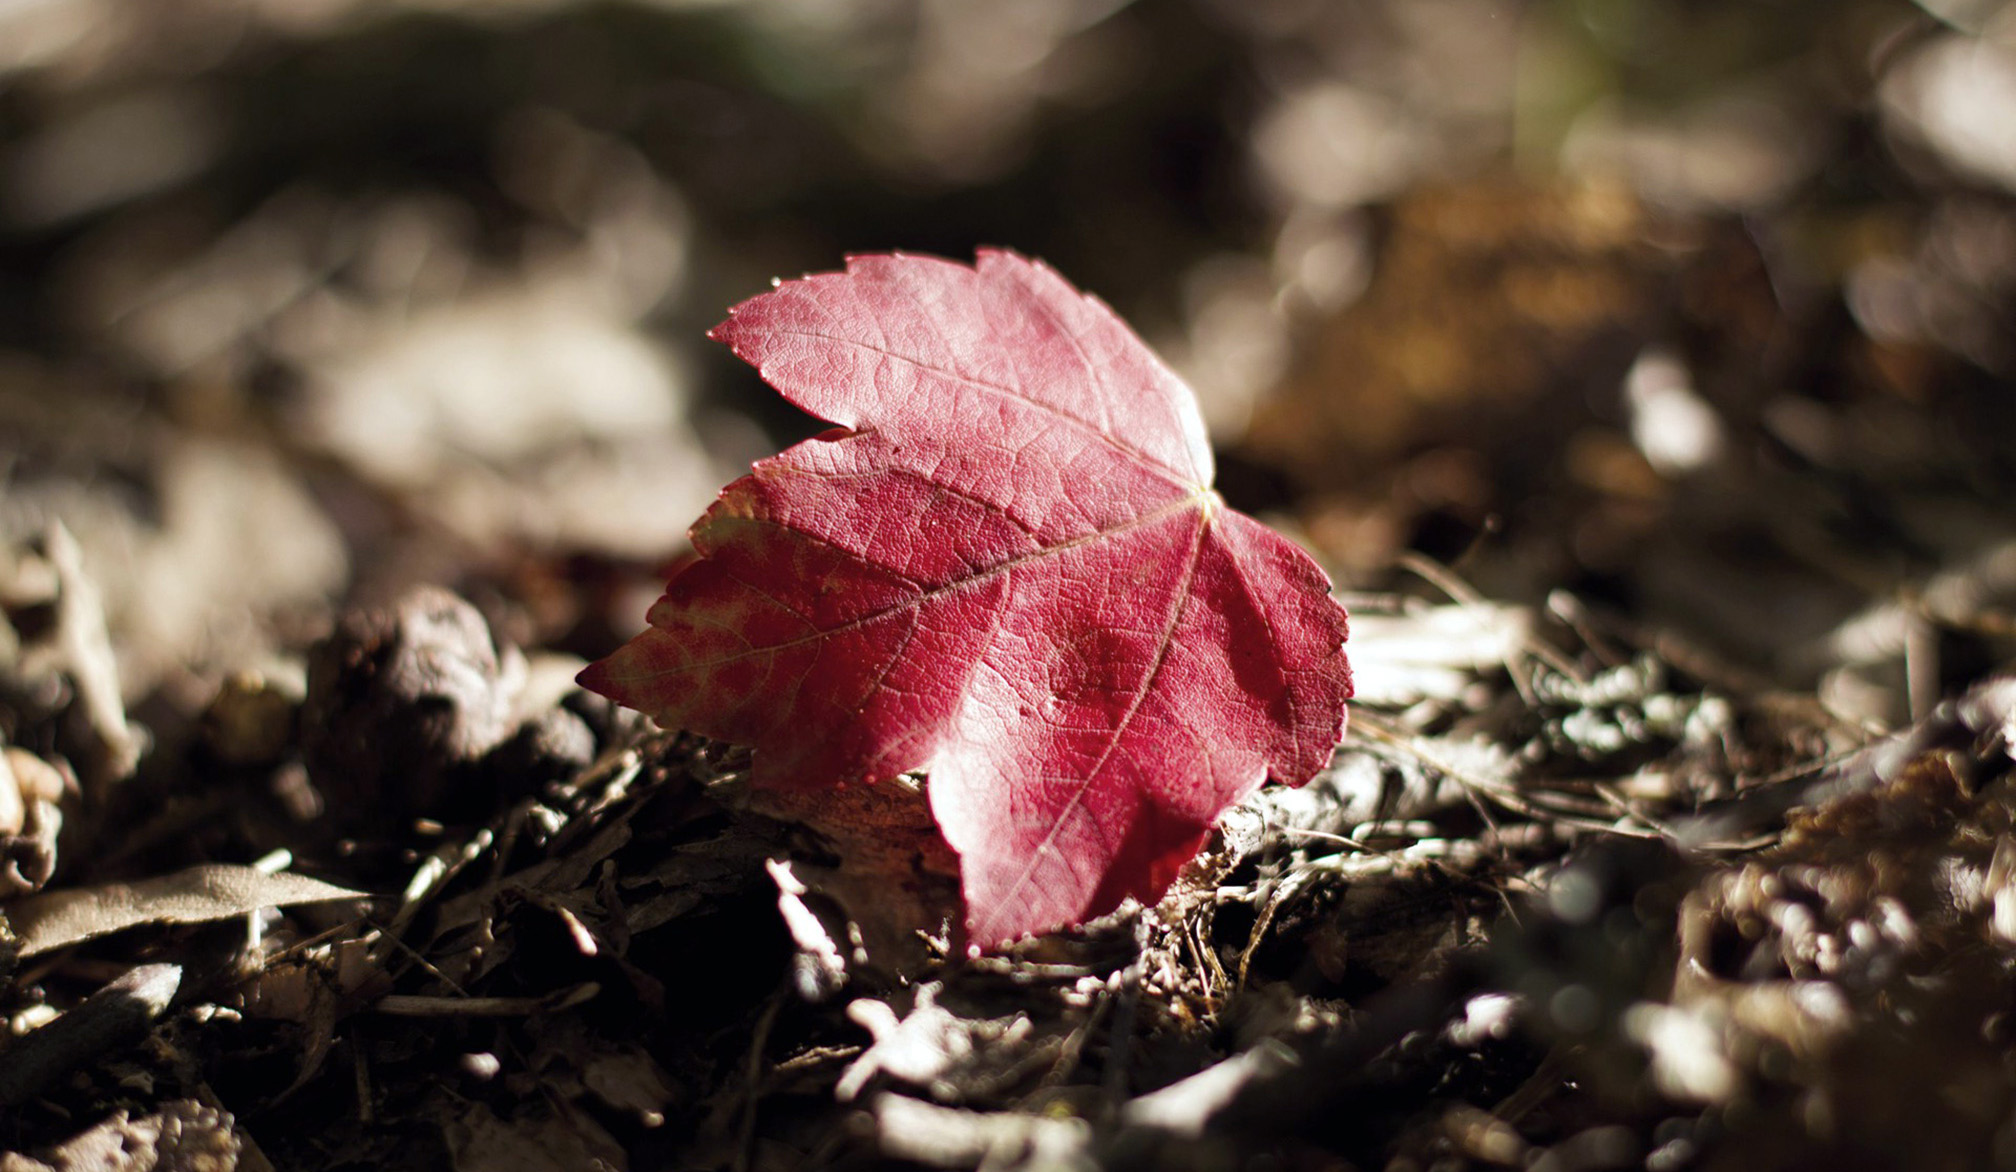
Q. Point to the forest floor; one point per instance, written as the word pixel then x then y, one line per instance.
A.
pixel 345 424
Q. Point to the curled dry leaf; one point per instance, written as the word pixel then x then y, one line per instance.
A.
pixel 402 700
pixel 30 820
pixel 85 650
pixel 1007 567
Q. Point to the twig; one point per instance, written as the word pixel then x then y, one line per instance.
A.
pixel 112 1018
pixel 752 1081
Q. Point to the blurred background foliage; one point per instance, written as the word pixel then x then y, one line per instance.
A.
pixel 1698 309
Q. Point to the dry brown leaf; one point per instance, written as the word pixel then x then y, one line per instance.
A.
pixel 212 891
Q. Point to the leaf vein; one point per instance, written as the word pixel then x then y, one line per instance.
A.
pixel 1183 595
pixel 1016 394
pixel 926 596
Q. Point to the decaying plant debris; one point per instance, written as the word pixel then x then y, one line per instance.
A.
pixel 1549 903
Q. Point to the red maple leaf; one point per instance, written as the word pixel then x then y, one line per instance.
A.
pixel 1007 567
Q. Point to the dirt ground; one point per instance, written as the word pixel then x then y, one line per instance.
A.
pixel 1641 371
